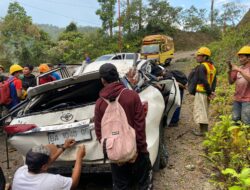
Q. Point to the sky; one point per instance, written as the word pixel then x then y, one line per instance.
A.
pixel 62 12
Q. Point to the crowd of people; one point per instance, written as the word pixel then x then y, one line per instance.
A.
pixel 19 80
pixel 138 168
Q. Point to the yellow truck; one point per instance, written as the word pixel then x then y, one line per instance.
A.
pixel 160 47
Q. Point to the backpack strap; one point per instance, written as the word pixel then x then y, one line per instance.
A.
pixel 105 150
pixel 11 79
pixel 116 99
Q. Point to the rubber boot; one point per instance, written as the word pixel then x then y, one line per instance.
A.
pixel 202 131
pixel 203 128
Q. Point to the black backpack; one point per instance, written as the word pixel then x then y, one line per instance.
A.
pixel 179 77
pixel 193 80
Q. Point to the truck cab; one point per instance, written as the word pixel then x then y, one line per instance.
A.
pixel 160 47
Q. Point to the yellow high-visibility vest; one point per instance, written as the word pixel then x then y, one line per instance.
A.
pixel 211 71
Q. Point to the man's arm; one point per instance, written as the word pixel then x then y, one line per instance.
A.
pixel 56 152
pixel 78 167
pixel 18 85
pixel 242 72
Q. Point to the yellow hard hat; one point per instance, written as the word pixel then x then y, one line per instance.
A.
pixel 203 51
pixel 244 50
pixel 15 68
pixel 43 68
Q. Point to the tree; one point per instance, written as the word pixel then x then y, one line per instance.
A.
pixel 106 13
pixel 71 27
pixel 18 37
pixel 161 16
pixel 132 16
pixel 194 19
pixel 232 12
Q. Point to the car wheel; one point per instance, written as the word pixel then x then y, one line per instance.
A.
pixel 167 62
pixel 162 156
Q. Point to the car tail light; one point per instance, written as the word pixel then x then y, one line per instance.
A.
pixel 18 128
pixel 145 107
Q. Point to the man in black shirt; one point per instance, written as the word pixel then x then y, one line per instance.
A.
pixel 29 80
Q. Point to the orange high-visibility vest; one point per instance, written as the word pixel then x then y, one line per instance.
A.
pixel 211 71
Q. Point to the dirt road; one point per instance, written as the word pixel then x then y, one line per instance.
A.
pixel 186 169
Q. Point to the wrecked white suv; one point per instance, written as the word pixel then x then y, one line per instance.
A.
pixel 65 108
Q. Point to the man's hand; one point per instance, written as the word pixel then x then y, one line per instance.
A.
pixel 211 96
pixel 236 68
pixel 68 143
pixel 81 152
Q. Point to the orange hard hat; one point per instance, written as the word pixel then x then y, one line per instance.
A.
pixel 43 68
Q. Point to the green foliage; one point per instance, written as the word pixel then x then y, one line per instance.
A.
pixel 227 48
pixel 232 12
pixel 161 17
pixel 71 27
pixel 222 103
pixel 194 19
pixel 226 147
pixel 106 13
pixel 20 39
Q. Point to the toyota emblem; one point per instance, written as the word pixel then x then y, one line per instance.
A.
pixel 66 117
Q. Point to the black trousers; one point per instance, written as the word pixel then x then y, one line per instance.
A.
pixel 138 173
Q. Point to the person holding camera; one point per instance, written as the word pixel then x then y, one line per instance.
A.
pixel 240 75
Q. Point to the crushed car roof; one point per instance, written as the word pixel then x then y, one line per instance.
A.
pixel 62 83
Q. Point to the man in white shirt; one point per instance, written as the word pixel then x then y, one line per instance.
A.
pixel 34 176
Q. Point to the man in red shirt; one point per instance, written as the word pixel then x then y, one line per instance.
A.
pixel 44 68
pixel 240 75
pixel 140 170
pixel 15 85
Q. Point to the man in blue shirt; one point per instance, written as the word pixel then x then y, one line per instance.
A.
pixel 54 74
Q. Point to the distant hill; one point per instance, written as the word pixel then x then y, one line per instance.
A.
pixel 245 20
pixel 54 31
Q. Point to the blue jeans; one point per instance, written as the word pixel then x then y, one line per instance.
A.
pixel 241 111
pixel 176 116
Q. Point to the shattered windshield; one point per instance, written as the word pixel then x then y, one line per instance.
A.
pixel 104 58
pixel 150 48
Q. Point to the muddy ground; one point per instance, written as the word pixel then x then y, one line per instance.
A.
pixel 186 169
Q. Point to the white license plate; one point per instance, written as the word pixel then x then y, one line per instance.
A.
pixel 79 134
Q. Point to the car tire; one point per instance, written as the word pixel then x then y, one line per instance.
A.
pixel 167 62
pixel 162 156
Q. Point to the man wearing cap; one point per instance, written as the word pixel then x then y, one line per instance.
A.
pixel 15 85
pixel 44 68
pixel 140 170
pixel 54 74
pixel 34 176
pixel 240 75
pixel 205 89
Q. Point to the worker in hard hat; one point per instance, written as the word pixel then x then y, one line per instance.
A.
pixel 240 75
pixel 205 88
pixel 15 85
pixel 43 69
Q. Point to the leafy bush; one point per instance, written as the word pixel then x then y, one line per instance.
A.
pixel 227 48
pixel 227 147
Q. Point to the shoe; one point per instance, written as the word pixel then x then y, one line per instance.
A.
pixel 173 125
pixel 198 133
